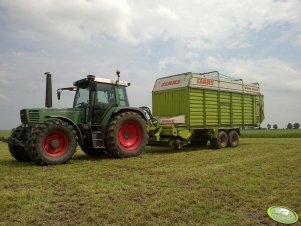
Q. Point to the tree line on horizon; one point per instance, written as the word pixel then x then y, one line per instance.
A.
pixel 289 126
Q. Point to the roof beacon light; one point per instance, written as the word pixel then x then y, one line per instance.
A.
pixel 118 75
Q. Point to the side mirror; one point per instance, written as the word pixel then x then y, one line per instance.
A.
pixel 58 93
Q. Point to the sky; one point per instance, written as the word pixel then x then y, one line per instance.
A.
pixel 258 41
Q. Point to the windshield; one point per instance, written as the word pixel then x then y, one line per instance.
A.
pixel 105 95
pixel 81 97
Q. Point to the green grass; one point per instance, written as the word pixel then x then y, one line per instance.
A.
pixel 5 133
pixel 233 186
pixel 284 133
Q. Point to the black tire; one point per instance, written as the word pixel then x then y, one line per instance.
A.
pixel 18 152
pixel 233 139
pixel 126 135
pixel 221 141
pixel 178 144
pixel 89 150
pixel 51 143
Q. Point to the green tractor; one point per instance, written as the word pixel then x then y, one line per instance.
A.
pixel 100 122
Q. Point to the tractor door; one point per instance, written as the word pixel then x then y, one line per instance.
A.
pixel 104 99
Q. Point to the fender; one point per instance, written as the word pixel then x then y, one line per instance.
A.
pixel 115 110
pixel 137 110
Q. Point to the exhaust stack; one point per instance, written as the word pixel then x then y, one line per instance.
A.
pixel 48 98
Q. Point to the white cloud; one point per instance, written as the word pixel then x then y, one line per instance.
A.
pixel 167 13
pixel 73 20
pixel 3 98
pixel 218 24
pixel 298 40
pixel 274 73
pixel 4 82
pixel 163 63
pixel 199 24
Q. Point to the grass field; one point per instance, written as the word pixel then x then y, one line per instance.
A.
pixel 284 133
pixel 233 186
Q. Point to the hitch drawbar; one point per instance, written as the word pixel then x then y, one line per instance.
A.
pixel 12 141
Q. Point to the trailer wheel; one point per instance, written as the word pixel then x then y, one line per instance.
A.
pixel 18 152
pixel 53 142
pixel 221 141
pixel 233 139
pixel 126 135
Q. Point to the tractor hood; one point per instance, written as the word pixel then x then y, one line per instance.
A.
pixel 40 115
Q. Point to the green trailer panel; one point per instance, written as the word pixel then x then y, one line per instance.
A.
pixel 172 103
pixel 208 101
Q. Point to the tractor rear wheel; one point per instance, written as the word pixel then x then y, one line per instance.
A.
pixel 221 141
pixel 53 142
pixel 18 152
pixel 233 139
pixel 126 135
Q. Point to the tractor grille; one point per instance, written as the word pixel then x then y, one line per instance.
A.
pixel 34 115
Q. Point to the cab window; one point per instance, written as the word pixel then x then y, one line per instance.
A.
pixel 104 96
pixel 123 99
pixel 81 97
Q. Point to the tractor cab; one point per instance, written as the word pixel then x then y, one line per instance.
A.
pixel 98 96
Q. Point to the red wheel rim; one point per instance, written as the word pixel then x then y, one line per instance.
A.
pixel 130 135
pixel 55 144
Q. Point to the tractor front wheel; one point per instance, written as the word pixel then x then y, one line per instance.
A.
pixel 53 142
pixel 126 135
pixel 18 152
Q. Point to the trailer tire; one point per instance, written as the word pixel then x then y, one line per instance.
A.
pixel 53 142
pixel 233 139
pixel 18 152
pixel 126 135
pixel 221 141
